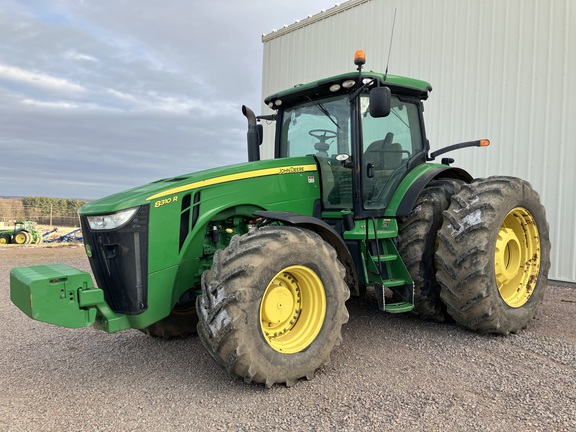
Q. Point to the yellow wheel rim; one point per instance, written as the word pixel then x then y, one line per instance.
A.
pixel 517 257
pixel 20 238
pixel 3 240
pixel 292 310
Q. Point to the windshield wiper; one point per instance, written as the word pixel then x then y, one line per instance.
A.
pixel 324 111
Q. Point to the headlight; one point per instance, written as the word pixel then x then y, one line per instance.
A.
pixel 111 221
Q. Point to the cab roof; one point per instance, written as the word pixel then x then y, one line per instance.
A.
pixel 301 92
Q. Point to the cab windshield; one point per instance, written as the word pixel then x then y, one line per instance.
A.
pixel 322 128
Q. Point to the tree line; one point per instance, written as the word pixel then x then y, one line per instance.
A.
pixel 41 210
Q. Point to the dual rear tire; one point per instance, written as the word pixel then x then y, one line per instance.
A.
pixel 417 244
pixel 478 253
pixel 493 255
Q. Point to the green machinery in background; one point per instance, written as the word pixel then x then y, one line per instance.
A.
pixel 23 233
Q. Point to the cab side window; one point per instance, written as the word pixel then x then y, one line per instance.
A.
pixel 388 144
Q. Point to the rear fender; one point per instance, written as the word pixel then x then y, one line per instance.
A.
pixel 411 187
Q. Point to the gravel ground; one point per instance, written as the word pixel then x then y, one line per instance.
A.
pixel 392 372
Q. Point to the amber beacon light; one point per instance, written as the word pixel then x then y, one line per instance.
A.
pixel 359 58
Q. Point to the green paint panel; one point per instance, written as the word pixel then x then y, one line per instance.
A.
pixel 294 190
pixel 166 189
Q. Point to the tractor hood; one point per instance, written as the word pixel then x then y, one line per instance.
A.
pixel 162 189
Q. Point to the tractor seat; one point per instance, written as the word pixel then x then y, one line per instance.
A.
pixel 386 157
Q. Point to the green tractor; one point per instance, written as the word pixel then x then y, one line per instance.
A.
pixel 259 258
pixel 23 233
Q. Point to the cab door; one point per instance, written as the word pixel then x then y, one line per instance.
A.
pixel 389 147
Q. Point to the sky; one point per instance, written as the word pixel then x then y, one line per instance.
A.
pixel 100 96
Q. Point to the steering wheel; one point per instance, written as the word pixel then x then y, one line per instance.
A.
pixel 322 134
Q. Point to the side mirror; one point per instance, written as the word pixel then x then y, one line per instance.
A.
pixel 380 102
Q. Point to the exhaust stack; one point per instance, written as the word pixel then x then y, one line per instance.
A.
pixel 254 135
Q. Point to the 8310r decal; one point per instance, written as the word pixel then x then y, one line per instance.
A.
pixel 165 201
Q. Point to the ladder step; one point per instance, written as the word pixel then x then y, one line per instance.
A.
pixel 398 307
pixel 393 282
pixel 385 258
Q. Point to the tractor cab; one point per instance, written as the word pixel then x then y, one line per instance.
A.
pixel 22 226
pixel 364 130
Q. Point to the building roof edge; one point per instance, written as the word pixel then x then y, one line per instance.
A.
pixel 311 19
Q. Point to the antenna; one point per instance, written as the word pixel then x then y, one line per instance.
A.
pixel 390 47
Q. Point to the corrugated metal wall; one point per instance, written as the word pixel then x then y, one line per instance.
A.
pixel 500 69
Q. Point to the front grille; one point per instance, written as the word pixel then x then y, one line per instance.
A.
pixel 119 262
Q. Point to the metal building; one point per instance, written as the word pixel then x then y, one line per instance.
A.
pixel 500 69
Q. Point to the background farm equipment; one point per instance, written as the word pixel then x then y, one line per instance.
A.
pixel 72 236
pixel 47 233
pixel 23 233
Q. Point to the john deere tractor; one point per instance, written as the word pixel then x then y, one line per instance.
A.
pixel 259 258
pixel 23 233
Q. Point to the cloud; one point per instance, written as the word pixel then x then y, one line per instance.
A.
pixel 97 97
pixel 64 105
pixel 13 75
pixel 72 54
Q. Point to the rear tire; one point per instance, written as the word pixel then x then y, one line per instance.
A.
pixel 494 255
pixel 21 237
pixel 273 304
pixel 417 244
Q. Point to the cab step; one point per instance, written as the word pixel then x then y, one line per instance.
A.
pixel 393 283
pixel 400 307
pixel 385 258
pixel 395 307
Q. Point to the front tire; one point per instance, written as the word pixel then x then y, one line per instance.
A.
pixel 494 255
pixel 181 323
pixel 273 305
